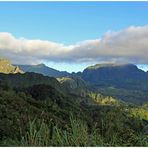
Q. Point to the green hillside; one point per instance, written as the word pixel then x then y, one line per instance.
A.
pixel 28 79
pixel 74 85
pixel 42 116
pixel 123 81
pixel 37 110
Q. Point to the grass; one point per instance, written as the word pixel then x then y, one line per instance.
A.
pixel 77 134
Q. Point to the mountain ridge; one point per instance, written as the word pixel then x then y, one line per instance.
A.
pixel 126 82
pixel 43 69
pixel 121 81
pixel 102 65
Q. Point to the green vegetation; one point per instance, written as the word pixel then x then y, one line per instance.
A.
pixel 119 80
pixel 101 100
pixel 40 115
pixel 74 85
pixel 77 134
pixel 140 112
pixel 25 80
pixel 123 81
pixel 37 110
pixel 137 97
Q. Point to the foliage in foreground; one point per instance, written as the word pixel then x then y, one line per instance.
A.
pixel 78 133
pixel 27 121
pixel 41 134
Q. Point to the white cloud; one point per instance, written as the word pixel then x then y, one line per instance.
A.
pixel 129 45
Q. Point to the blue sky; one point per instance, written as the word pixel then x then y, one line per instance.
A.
pixel 69 22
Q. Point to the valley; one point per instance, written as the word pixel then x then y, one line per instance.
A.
pixel 89 108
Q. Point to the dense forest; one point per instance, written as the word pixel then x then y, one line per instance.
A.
pixel 41 115
pixel 38 110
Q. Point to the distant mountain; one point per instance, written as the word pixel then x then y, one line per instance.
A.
pixel 117 75
pixel 7 67
pixel 37 110
pixel 43 69
pixel 123 81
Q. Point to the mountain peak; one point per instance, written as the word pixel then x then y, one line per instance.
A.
pixel 43 69
pixel 102 65
pixel 7 67
pixel 41 64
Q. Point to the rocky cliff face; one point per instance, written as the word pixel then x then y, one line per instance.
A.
pixel 7 67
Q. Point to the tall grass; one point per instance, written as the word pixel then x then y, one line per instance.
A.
pixel 37 134
pixel 41 134
pixel 78 133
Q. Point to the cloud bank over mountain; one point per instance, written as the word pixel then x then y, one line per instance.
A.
pixel 128 45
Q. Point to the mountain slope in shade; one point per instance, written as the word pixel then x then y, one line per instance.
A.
pixel 124 76
pixel 7 67
pixel 43 69
pixel 29 79
pixel 74 85
pixel 123 81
